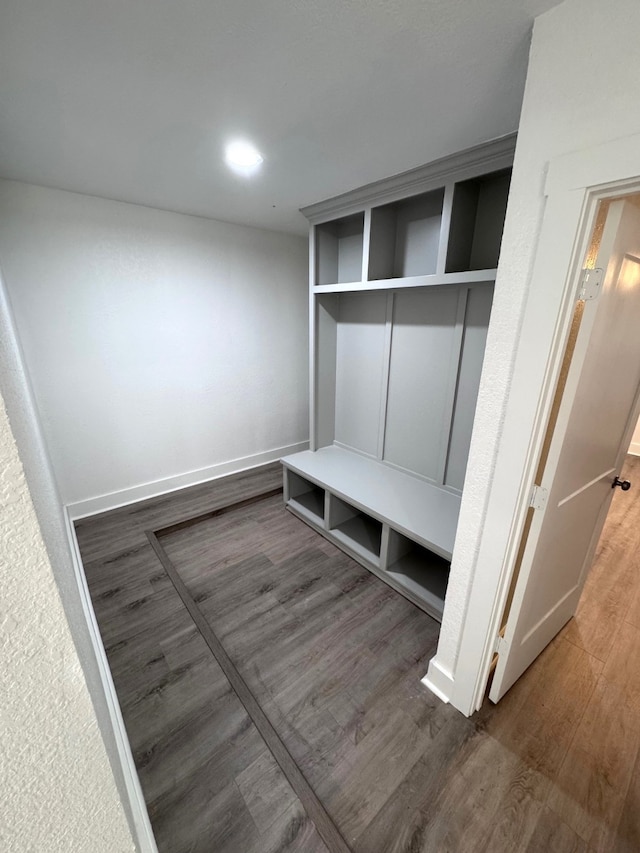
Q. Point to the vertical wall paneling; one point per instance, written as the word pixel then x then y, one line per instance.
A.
pixel 452 383
pixel 325 326
pixel 422 349
pixel 360 347
pixel 314 346
pixel 384 397
pixel 473 346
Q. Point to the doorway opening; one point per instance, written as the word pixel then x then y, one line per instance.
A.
pixel 591 423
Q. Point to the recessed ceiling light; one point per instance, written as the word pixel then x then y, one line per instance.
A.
pixel 243 157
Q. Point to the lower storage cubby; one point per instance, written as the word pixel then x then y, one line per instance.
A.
pixel 356 530
pixel 419 571
pixel 361 506
pixel 306 497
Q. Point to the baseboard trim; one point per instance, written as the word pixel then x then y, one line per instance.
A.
pixel 439 680
pixel 134 494
pixel 634 449
pixel 142 825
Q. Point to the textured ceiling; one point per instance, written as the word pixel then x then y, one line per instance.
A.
pixel 134 99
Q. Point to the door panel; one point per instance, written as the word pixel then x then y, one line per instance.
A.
pixel 590 438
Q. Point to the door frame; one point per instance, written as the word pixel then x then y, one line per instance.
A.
pixel 574 186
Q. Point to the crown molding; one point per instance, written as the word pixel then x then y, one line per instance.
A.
pixel 489 156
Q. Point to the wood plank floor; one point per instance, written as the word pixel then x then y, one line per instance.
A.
pixel 334 658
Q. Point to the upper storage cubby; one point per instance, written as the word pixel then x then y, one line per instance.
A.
pixel 477 220
pixel 405 237
pixel 439 224
pixel 339 248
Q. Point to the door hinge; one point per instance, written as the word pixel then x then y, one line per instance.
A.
pixel 590 284
pixel 501 645
pixel 539 497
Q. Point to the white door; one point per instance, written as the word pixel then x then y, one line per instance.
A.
pixel 590 439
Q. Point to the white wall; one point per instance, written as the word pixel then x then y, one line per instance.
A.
pixel 57 789
pixel 163 349
pixel 26 606
pixel 583 88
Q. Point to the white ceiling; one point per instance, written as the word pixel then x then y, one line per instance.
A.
pixel 134 99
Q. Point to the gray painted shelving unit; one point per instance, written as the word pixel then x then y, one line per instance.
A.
pixel 401 285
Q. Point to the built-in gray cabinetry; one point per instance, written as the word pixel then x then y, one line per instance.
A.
pixel 401 286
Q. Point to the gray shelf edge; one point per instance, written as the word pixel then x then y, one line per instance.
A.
pixel 437 279
pixel 301 473
pixel 480 159
pixel 386 464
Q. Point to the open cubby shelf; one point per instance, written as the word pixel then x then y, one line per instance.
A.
pixel 412 237
pixel 306 497
pixel 465 277
pixel 477 219
pixel 405 237
pixel 419 571
pixel 339 248
pixel 357 530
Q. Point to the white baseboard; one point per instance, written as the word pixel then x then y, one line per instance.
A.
pixel 439 680
pixel 124 497
pixel 141 823
pixel 634 448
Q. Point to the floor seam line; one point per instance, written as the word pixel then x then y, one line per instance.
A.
pixel 323 822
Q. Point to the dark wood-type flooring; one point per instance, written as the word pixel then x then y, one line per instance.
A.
pixel 334 658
